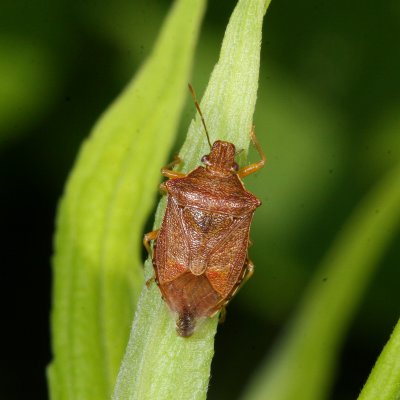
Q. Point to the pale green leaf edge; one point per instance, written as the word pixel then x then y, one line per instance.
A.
pixel 97 267
pixel 384 380
pixel 302 364
pixel 158 364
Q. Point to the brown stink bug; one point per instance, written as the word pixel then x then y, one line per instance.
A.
pixel 200 255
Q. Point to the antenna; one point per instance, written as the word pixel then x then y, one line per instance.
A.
pixel 198 109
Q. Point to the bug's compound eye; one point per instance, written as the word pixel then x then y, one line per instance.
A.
pixel 204 160
pixel 235 167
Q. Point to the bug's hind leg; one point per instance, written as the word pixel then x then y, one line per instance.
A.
pixel 222 315
pixel 248 273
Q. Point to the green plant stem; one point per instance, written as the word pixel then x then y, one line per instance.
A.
pixel 302 365
pixel 158 364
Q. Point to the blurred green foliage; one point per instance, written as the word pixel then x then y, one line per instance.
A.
pixel 383 382
pixel 327 116
pixel 97 267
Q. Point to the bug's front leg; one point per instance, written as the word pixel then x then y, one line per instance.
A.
pixel 250 169
pixel 171 174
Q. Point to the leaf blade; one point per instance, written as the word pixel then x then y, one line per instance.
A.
pixel 384 380
pixel 182 365
pixel 98 273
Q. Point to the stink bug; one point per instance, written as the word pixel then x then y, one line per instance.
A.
pixel 200 254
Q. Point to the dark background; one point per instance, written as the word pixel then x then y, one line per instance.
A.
pixel 328 118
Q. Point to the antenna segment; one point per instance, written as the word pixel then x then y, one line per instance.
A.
pixel 201 114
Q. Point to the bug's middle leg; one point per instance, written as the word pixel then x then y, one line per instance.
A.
pixel 149 237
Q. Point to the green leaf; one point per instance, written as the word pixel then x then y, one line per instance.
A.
pixel 302 364
pixel 97 268
pixel 384 381
pixel 158 364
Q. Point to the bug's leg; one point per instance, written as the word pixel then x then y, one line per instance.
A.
pixel 250 169
pixel 150 281
pixel 222 315
pixel 169 173
pixel 248 273
pixel 163 189
pixel 148 237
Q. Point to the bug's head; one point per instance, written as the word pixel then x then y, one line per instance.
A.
pixel 221 159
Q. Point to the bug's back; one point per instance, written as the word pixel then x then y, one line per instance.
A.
pixel 201 249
